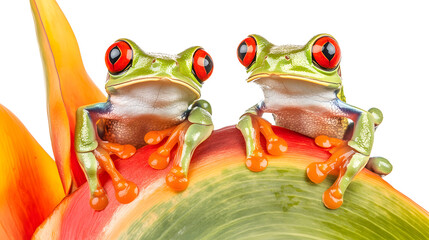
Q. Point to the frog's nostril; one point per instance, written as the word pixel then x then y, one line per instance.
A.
pixel 287 57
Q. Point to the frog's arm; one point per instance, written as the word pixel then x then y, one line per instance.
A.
pixel 245 125
pixel 251 125
pixel 92 153
pixel 188 135
pixel 85 144
pixel 366 122
pixel 85 135
pixel 200 129
pixel 364 125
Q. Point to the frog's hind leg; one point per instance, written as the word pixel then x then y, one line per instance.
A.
pixel 194 136
pixel 126 191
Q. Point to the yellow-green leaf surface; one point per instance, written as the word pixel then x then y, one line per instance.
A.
pixel 224 200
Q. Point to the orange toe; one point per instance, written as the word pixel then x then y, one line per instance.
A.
pixel 176 179
pixel 99 200
pixel 127 151
pixel 333 198
pixel 159 160
pixel 153 137
pixel 327 142
pixel 126 191
pixel 257 161
pixel 315 173
pixel 276 146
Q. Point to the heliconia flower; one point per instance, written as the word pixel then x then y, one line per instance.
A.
pixel 225 200
pixel 30 186
pixel 68 86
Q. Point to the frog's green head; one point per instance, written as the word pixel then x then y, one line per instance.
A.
pixel 316 62
pixel 129 65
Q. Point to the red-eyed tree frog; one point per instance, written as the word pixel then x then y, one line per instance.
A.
pixel 150 97
pixel 303 90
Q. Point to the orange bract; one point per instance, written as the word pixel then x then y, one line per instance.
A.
pixel 30 186
pixel 68 86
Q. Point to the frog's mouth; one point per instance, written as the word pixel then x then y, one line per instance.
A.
pixel 258 76
pixel 112 87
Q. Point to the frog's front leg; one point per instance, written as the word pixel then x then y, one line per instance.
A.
pixel 188 135
pixel 251 125
pixel 348 157
pixel 90 148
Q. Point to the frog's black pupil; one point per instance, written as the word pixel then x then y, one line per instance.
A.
pixel 208 64
pixel 328 50
pixel 114 55
pixel 242 50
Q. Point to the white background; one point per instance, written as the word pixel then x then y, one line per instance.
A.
pixel 384 60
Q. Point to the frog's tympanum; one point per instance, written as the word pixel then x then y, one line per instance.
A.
pixel 303 90
pixel 150 97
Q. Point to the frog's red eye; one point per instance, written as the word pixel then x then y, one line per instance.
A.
pixel 202 65
pixel 119 57
pixel 326 53
pixel 246 52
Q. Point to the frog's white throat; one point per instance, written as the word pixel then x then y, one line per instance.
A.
pixel 161 97
pixel 283 92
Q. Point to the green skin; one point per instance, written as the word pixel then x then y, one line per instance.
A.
pixel 310 100
pixel 156 92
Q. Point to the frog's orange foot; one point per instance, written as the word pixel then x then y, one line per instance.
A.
pixel 176 179
pixel 98 200
pixel 126 191
pixel 161 157
pixel 122 151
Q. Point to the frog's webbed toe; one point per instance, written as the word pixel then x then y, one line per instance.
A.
pixel 252 126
